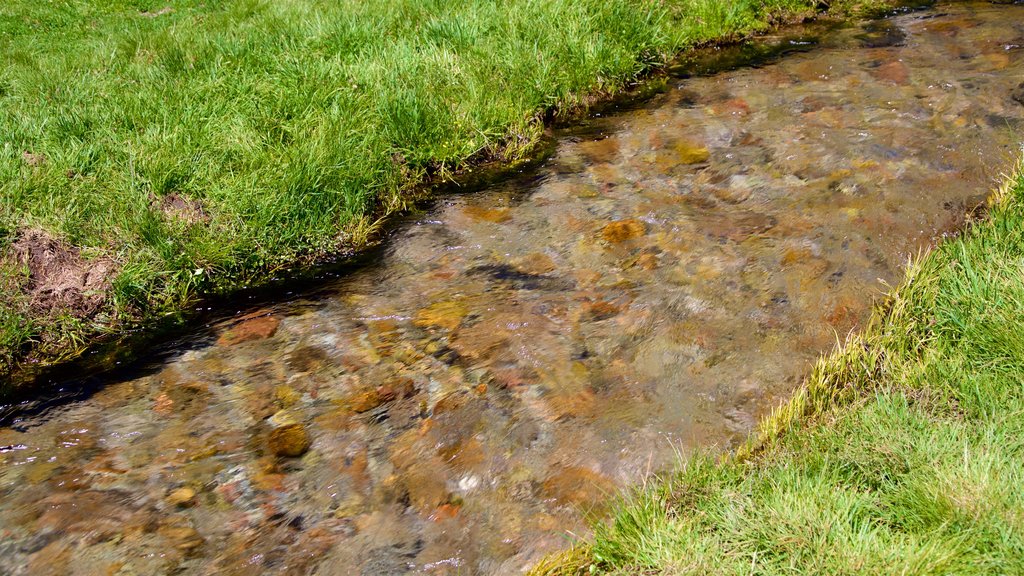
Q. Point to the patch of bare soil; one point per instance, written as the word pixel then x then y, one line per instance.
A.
pixel 60 280
pixel 157 13
pixel 33 160
pixel 174 206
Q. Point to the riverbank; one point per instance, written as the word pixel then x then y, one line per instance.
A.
pixel 153 156
pixel 901 454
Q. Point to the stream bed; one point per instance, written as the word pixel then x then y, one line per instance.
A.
pixel 469 401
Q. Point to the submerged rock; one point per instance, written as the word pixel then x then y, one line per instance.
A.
pixel 495 215
pixel 289 441
pixel 447 315
pixel 181 497
pixel 1018 94
pixel 691 154
pixel 259 328
pixel 896 72
pixel 578 486
pixel 622 230
pixel 882 34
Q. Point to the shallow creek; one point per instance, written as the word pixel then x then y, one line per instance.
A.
pixel 518 354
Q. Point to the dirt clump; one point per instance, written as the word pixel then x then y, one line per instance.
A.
pixel 60 279
pixel 32 159
pixel 174 206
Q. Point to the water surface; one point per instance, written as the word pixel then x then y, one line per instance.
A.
pixel 519 353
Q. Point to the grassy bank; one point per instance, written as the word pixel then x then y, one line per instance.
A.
pixel 154 150
pixel 903 454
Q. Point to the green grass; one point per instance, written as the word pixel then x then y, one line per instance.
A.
pixel 903 453
pixel 292 124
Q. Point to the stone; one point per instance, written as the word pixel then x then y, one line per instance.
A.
pixel 578 486
pixel 289 441
pixel 736 107
pixel 286 396
pixel 535 263
pixel 181 497
pixel 445 512
pixel 79 436
pixel 601 151
pixel 181 537
pixel 426 488
pixel 742 225
pixel 306 359
pixel 691 154
pixel 163 405
pixel 647 261
pixel 258 328
pixel 1018 94
pixel 447 315
pixel 365 401
pixel 494 215
pixel 100 515
pixel 52 560
pixel 896 72
pixel 450 402
pixel 600 310
pixel 622 230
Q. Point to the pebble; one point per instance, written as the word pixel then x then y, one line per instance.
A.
pixel 289 441
pixel 1018 94
pixel 622 230
pixel 258 328
pixel 181 497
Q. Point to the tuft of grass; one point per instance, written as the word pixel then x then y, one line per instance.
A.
pixel 288 127
pixel 902 454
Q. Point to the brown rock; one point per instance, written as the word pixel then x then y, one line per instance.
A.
pixel 306 359
pixel 163 405
pixel 426 488
pixel 286 396
pixel 258 328
pixel 181 497
pixel 447 315
pixel 622 230
pixel 647 261
pixel 738 106
pixel 445 512
pixel 600 310
pixel 77 435
pixel 690 154
pixel 795 256
pixel 740 226
pixel 1018 94
pixel 181 537
pixel 578 486
pixel 52 560
pixel 495 215
pixel 600 151
pixel 536 263
pixel 289 441
pixel 383 335
pixel 365 400
pixel 71 479
pixel 895 72
pixel 99 514
pixel 450 402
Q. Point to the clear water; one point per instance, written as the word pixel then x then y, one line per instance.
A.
pixel 520 353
